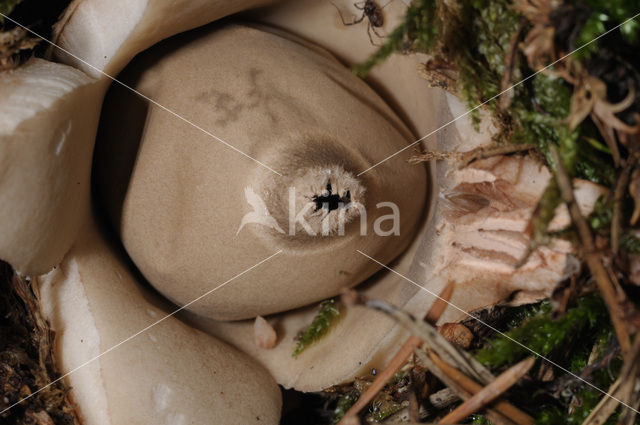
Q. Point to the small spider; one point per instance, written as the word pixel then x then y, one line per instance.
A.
pixel 370 10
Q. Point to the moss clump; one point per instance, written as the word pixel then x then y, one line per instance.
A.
pixel 542 334
pixel 319 327
pixel 602 214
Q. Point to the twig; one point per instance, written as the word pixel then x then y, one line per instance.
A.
pixel 629 390
pixel 604 408
pixel 622 389
pixel 618 198
pixel 434 156
pixel 414 407
pixel 501 412
pixel 484 152
pixel 465 158
pixel 462 377
pixel 443 398
pixel 401 357
pixel 436 342
pixel 586 373
pixel 609 137
pixel 591 256
pixel 509 62
pixel 489 393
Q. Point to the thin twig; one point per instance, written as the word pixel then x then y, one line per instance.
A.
pixel 489 393
pixel 592 258
pixel 401 357
pixel 443 398
pixel 462 378
pixel 509 61
pixel 463 159
pixel 472 387
pixel 629 391
pixel 622 389
pixel 618 202
pixel 436 342
pixel 501 412
pixel 434 156
pixel 484 152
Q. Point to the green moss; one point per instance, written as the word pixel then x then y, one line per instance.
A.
pixel 475 36
pixel 602 214
pixel 606 14
pixel 630 243
pixel 343 405
pixel 577 413
pixel 478 419
pixel 544 335
pixel 319 327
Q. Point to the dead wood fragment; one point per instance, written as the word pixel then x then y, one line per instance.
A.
pixel 435 156
pixel 457 334
pixel 592 258
pixel 443 398
pixel 463 159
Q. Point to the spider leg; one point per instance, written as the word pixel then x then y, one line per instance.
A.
pixel 359 5
pixel 369 29
pixel 387 4
pixel 375 31
pixel 357 21
pixel 345 23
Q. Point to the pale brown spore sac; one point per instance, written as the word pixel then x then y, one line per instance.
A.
pixel 192 212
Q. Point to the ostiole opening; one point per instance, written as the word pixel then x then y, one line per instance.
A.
pixel 312 202
pixel 326 200
pixel 330 201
